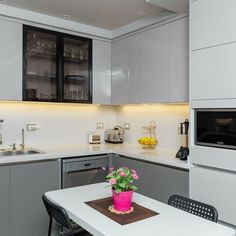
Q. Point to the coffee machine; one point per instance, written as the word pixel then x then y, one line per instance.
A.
pixel 183 152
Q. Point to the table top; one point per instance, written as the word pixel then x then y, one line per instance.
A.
pixel 170 222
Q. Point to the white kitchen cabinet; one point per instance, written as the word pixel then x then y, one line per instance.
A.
pixel 212 23
pixel 10 61
pixel 216 188
pixel 101 72
pixel 213 73
pixel 126 70
pixel 179 61
pixel 155 65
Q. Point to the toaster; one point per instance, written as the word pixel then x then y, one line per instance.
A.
pixel 94 138
pixel 115 135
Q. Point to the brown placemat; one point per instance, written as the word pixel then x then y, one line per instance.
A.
pixel 139 213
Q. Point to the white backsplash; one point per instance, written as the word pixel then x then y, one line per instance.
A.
pixel 59 124
pixel 167 118
pixel 70 124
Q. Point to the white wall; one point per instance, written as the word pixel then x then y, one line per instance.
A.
pixel 60 123
pixel 167 118
pixel 70 124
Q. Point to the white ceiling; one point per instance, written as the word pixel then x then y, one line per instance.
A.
pixel 107 14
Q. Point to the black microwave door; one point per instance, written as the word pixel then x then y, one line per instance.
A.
pixel 216 128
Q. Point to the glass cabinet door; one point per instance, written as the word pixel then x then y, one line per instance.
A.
pixel 40 65
pixel 77 69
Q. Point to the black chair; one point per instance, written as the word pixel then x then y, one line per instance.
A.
pixel 60 215
pixel 200 209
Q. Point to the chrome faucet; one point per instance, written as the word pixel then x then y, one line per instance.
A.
pixel 13 146
pixel 23 139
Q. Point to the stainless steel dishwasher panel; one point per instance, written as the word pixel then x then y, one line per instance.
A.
pixel 82 171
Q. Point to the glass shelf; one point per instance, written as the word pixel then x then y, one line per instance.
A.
pixel 74 60
pixel 41 55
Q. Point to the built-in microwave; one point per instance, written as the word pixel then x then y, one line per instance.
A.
pixel 215 128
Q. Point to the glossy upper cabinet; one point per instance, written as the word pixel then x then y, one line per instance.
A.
pixel 126 70
pixel 57 67
pixel 10 61
pixel 179 61
pixel 155 65
pixel 165 63
pixel 152 66
pixel 101 72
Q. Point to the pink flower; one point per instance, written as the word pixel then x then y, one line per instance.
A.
pixel 111 169
pixel 120 170
pixel 135 176
pixel 133 171
pixel 112 181
pixel 126 168
pixel 122 174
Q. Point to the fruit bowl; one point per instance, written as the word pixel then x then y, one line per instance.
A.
pixel 148 142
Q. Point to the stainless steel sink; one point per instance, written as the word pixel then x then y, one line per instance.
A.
pixel 7 152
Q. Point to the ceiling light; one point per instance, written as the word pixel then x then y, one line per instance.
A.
pixel 67 16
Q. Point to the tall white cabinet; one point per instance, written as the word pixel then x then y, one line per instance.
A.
pixel 213 50
pixel 152 66
pixel 11 48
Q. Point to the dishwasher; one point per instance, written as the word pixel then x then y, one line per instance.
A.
pixel 79 171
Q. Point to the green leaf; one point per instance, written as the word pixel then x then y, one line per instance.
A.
pixel 122 185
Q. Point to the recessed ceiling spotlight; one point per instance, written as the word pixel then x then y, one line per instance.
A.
pixel 67 16
pixel 141 13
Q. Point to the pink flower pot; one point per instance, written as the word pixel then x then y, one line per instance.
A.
pixel 122 201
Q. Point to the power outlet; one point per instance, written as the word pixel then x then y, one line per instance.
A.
pixel 100 125
pixel 126 126
pixel 32 127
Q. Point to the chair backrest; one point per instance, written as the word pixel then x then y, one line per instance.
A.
pixel 203 210
pixel 57 212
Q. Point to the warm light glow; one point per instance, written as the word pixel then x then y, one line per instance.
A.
pixel 153 108
pixel 47 106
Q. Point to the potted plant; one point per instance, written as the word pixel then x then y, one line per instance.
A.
pixel 121 180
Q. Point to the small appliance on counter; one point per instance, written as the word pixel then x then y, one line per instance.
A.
pixel 115 135
pixel 94 138
pixel 183 152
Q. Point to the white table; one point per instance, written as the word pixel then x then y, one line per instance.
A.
pixel 170 222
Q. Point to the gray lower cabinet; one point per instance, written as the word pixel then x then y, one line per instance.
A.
pixel 28 182
pixel 156 181
pixel 4 201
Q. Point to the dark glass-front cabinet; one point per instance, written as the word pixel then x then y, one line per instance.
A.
pixel 57 67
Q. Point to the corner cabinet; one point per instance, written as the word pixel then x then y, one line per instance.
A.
pixel 166 180
pixel 57 67
pixel 152 66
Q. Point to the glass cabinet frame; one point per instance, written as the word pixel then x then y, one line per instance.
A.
pixel 60 64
